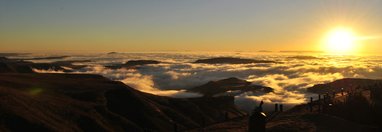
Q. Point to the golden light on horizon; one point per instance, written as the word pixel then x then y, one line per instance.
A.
pixel 341 40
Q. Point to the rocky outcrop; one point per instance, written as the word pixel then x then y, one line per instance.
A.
pixel 229 87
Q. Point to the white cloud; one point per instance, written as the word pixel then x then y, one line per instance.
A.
pixel 289 78
pixel 47 71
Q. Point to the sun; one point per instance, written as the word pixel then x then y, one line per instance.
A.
pixel 340 40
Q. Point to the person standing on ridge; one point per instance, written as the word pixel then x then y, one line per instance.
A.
pixel 257 121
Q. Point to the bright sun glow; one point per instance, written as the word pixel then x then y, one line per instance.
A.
pixel 341 40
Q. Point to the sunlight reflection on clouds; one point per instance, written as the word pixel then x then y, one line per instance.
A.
pixel 289 77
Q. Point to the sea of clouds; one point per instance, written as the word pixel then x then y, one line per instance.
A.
pixel 289 77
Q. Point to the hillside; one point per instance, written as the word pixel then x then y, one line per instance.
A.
pixel 79 102
pixel 231 60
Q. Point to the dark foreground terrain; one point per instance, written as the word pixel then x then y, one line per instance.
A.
pixel 231 60
pixel 64 102
pixel 80 102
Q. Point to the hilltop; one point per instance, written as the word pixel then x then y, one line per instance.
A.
pixel 230 86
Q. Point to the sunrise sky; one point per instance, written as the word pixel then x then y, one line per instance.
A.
pixel 193 25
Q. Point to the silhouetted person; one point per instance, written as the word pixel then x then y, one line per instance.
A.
pixel 276 107
pixel 257 120
pixel 281 107
pixel 311 104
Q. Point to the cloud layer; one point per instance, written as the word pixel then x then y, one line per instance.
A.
pixel 290 78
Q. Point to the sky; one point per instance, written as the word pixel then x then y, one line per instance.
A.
pixel 180 25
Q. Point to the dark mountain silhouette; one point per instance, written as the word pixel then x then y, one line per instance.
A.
pixel 112 53
pixel 14 66
pixel 299 119
pixel 47 58
pixel 133 64
pixel 70 64
pixel 265 51
pixel 21 66
pixel 231 60
pixel 358 100
pixel 304 57
pixel 234 85
pixel 300 51
pixel 358 110
pixel 12 54
pixel 347 84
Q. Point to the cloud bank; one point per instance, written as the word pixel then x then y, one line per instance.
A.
pixel 290 78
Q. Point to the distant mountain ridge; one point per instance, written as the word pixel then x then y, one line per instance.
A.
pixel 231 60
pixel 133 64
pixel 21 66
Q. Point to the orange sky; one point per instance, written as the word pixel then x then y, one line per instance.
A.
pixel 199 25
